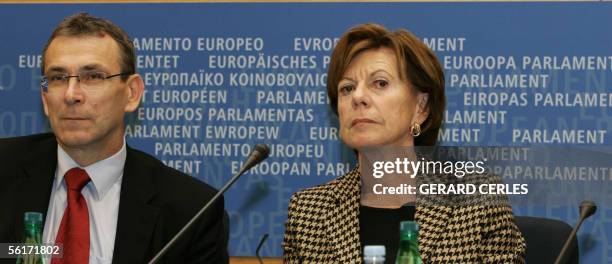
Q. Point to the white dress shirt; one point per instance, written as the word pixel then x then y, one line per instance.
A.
pixel 102 196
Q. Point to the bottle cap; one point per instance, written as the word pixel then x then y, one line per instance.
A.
pixel 375 250
pixel 409 227
pixel 32 217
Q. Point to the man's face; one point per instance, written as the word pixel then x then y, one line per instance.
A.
pixel 84 116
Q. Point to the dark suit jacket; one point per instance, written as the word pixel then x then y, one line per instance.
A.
pixel 156 201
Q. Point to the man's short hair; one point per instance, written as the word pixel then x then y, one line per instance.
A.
pixel 84 24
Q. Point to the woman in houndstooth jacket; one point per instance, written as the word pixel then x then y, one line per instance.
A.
pixel 388 91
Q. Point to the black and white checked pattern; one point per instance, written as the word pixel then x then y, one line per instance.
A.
pixel 323 227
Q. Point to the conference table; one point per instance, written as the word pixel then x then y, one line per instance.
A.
pixel 254 260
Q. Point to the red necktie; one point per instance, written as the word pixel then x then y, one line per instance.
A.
pixel 74 229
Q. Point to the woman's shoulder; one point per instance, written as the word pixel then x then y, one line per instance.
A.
pixel 329 191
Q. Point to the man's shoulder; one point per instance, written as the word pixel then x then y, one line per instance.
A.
pixel 14 147
pixel 173 185
pixel 177 197
pixel 27 140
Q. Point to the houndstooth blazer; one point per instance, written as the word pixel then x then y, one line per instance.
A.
pixel 323 227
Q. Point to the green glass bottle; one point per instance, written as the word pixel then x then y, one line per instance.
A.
pixel 32 236
pixel 408 251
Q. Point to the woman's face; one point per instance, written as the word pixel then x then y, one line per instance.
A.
pixel 376 107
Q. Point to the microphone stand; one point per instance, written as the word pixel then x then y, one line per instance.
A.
pixel 259 153
pixel 587 208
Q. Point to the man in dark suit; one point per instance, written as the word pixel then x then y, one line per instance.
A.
pixel 102 200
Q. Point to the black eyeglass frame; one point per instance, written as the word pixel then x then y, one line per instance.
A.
pixel 44 81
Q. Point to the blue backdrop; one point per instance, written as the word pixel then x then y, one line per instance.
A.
pixel 221 77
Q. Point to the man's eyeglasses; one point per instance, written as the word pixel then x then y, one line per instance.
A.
pixel 87 79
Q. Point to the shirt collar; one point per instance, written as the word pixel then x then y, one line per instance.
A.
pixel 103 174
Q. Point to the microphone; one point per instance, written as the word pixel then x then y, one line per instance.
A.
pixel 587 208
pixel 259 153
pixel 261 242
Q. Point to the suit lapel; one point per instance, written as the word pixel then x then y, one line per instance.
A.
pixel 33 191
pixel 346 220
pixel 137 218
pixel 433 219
